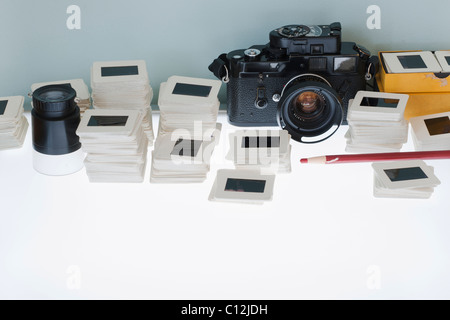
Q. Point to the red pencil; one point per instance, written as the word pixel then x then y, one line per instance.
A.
pixel 372 157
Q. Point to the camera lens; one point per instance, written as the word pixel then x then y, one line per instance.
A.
pixel 55 119
pixel 54 96
pixel 310 110
pixel 54 101
pixel 308 105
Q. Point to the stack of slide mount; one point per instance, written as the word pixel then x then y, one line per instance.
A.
pixel 431 132
pixel 266 150
pixel 123 85
pixel 188 130
pixel 13 124
pixel 188 102
pixel 377 128
pixel 404 179
pixel 116 145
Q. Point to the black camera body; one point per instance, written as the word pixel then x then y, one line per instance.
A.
pixel 259 77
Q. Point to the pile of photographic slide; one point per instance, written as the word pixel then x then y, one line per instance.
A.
pixel 266 150
pixel 183 159
pixel 80 87
pixel 258 155
pixel 115 144
pixel 13 124
pixel 123 85
pixel 417 61
pixel 376 122
pixel 242 186
pixel 431 132
pixel 188 130
pixel 186 102
pixel 404 179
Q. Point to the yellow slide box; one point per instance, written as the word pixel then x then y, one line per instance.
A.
pixel 428 92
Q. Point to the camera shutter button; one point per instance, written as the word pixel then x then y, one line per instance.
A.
pixel 252 53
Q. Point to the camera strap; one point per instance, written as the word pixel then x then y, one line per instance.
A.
pixel 219 68
pixel 372 68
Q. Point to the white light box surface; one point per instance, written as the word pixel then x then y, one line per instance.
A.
pixel 323 236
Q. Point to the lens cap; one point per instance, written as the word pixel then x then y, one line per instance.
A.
pixel 54 101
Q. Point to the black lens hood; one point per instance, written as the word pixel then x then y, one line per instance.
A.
pixel 58 107
pixel 307 133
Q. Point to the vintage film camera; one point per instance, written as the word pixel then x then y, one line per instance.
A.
pixel 302 80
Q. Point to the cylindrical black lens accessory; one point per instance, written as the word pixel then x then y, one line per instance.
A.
pixel 317 119
pixel 54 101
pixel 55 119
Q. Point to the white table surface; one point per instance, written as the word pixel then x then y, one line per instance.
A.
pixel 323 236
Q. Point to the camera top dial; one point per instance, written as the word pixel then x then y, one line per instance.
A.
pixel 299 39
pixel 293 31
pixel 297 31
pixel 314 31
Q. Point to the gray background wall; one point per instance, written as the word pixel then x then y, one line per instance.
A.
pixel 181 37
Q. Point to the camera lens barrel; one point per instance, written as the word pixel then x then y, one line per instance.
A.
pixel 310 111
pixel 55 119
pixel 54 101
